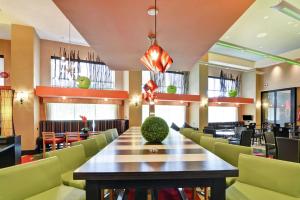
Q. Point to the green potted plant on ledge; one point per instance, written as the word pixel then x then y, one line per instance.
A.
pixel 155 129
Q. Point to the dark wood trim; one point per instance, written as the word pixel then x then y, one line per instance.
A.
pixel 1 56
pixel 79 60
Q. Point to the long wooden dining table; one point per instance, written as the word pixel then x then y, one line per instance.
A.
pixel 129 162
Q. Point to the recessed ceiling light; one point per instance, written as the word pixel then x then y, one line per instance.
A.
pixel 266 17
pixel 289 23
pixel 152 11
pixel 261 35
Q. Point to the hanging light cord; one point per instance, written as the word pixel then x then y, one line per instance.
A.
pixel 155 23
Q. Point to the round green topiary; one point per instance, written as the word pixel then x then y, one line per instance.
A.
pixel 232 93
pixel 155 129
pixel 171 89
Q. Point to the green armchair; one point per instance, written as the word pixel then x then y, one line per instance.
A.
pixel 90 147
pixel 70 159
pixel 209 142
pixel 100 140
pixel 230 153
pixel 263 179
pixel 38 180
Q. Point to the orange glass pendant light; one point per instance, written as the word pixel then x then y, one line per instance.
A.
pixel 156 59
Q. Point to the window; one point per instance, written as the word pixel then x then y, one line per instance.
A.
pixel 100 75
pixel 68 111
pixel 279 106
pixel 163 80
pixel 169 113
pixel 214 86
pixel 222 114
pixel 1 69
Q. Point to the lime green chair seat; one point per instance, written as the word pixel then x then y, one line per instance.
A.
pixel 36 180
pixel 90 147
pixel 67 179
pixel 60 193
pixel 242 191
pixel 70 159
pixel 100 139
pixel 264 178
pixel 209 142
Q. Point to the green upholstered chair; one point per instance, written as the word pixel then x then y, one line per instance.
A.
pixel 109 136
pixel 196 136
pixel 70 159
pixel 230 153
pixel 186 131
pixel 100 139
pixel 90 147
pixel 209 142
pixel 264 178
pixel 38 180
pixel 114 132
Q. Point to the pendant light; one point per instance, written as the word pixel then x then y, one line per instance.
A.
pixel 156 59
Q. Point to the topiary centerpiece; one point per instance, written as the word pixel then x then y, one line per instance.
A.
pixel 155 129
pixel 83 82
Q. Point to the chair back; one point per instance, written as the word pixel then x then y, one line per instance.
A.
pixel 48 135
pixel 70 158
pixel 238 131
pixel 90 147
pixel 246 138
pixel 230 153
pixel 175 127
pixel 29 179
pixel 100 139
pixel 271 174
pixel 269 138
pixel 288 149
pixel 72 136
pixel 209 142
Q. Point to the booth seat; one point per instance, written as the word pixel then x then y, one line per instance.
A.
pixel 264 178
pixel 70 159
pixel 35 181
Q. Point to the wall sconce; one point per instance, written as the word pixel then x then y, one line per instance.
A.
pixel 258 104
pixel 22 96
pixel 135 100
pixel 204 102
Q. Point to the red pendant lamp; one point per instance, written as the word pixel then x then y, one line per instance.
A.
pixel 156 59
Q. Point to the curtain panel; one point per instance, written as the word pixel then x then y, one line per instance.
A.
pixel 178 79
pixel 6 112
pixel 64 73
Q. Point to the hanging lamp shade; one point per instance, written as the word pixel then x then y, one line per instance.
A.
pixel 156 59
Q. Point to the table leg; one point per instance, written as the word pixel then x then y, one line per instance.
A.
pixel 218 189
pixel 93 192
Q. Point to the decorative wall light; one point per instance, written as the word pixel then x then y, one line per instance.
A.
pixel 22 96
pixel 156 59
pixel 135 100
pixel 204 102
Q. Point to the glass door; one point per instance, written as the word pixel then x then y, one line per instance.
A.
pixel 279 106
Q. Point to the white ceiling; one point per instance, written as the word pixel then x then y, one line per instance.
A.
pixel 264 29
pixel 48 20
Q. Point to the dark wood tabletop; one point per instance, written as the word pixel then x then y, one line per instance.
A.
pixel 178 162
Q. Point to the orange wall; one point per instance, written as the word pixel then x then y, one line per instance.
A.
pixel 24 66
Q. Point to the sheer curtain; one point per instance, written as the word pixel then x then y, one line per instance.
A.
pixel 163 80
pixel 6 97
pixel 69 111
pixel 64 74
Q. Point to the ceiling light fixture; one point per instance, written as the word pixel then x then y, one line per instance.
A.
pixel 288 9
pixel 261 35
pixel 258 53
pixel 155 58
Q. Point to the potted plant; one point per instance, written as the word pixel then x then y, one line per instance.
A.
pixel 83 82
pixel 85 129
pixel 171 89
pixel 155 129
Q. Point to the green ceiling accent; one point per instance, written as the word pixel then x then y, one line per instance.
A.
pixel 258 53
